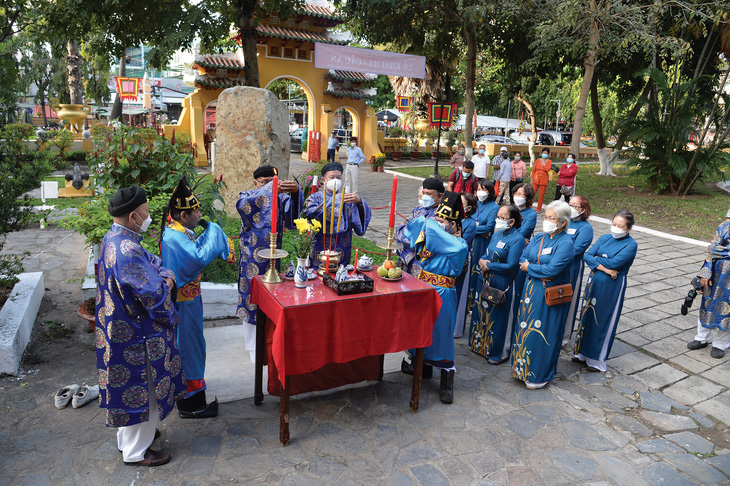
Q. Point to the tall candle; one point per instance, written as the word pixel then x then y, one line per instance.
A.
pixel 356 259
pixel 327 264
pixel 324 216
pixel 274 203
pixel 391 221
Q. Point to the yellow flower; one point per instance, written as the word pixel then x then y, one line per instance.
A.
pixel 316 225
pixel 302 225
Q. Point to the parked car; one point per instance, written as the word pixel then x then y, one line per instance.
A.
pixel 546 137
pixel 496 139
pixel 296 140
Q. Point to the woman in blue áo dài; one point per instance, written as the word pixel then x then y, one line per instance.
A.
pixel 609 260
pixel 468 233
pixel 491 325
pixel 715 279
pixel 581 232
pixel 538 333
pixel 484 218
pixel 442 256
pixel 523 196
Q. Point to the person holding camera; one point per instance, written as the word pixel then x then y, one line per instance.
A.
pixel 609 260
pixel 714 277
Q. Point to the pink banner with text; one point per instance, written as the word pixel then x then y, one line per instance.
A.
pixel 344 58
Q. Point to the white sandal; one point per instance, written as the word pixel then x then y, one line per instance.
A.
pixel 63 396
pixel 84 395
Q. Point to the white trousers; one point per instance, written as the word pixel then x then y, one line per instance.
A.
pixel 721 341
pixel 249 336
pixel 351 173
pixel 134 440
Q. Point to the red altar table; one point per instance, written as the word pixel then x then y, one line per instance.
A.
pixel 314 327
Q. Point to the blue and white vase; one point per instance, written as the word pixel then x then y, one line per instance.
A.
pixel 300 274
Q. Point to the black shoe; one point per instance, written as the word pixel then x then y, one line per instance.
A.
pixel 717 352
pixel 407 368
pixel 197 407
pixel 697 345
pixel 576 359
pixel 446 389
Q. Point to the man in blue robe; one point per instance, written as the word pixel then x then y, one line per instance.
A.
pixel 429 198
pixel 254 207
pixel 355 215
pixel 187 255
pixel 442 256
pixel 140 371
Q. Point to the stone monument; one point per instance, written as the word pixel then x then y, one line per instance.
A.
pixel 252 129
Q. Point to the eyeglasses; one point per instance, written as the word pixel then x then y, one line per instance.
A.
pixel 577 207
pixel 553 219
pixel 503 219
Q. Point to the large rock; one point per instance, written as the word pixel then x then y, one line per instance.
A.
pixel 252 129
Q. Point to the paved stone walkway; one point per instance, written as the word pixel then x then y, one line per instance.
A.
pixel 658 416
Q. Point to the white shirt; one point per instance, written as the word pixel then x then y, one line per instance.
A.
pixel 480 165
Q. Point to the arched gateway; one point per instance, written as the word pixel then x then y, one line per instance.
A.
pixel 286 50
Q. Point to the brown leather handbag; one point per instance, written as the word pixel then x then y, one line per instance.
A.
pixel 557 294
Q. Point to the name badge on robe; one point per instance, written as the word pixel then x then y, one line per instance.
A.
pixel 546 251
pixel 500 245
pixel 571 231
pixel 604 255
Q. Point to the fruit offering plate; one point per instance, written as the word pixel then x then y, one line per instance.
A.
pixel 392 279
pixel 349 286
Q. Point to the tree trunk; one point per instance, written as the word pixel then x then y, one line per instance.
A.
pixel 116 113
pixel 245 9
pixel 606 165
pixel 533 122
pixel 589 63
pixel 471 67
pixel 43 108
pixel 73 64
pixel 632 114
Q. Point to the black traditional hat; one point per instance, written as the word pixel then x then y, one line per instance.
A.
pixel 265 171
pixel 332 166
pixel 434 184
pixel 450 207
pixel 126 200
pixel 183 197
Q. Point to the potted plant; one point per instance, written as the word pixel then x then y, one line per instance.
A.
pixel 379 161
pixel 415 153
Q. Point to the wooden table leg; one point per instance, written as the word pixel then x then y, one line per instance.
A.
pixel 382 364
pixel 417 376
pixel 284 414
pixel 258 394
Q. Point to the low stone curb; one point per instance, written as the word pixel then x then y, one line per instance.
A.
pixel 17 318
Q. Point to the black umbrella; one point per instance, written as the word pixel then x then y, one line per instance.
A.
pixel 386 115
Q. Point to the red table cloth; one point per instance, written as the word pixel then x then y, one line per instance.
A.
pixel 315 326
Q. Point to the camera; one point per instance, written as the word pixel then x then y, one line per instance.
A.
pixel 696 287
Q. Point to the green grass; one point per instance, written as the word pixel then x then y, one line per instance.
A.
pixel 694 216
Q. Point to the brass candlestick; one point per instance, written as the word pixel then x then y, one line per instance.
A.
pixel 272 254
pixel 389 245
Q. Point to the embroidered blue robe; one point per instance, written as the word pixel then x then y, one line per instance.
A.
pixel 538 334
pixel 604 296
pixel 714 311
pixel 581 232
pixel 354 218
pixel 254 207
pixel 406 258
pixel 135 320
pixel 529 220
pixel 442 257
pixel 491 325
pixel 187 256
pixel 484 218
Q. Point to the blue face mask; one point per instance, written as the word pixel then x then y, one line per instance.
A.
pixel 544 156
pixel 427 201
pixel 481 151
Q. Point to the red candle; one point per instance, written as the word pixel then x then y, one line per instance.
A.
pixel 328 262
pixel 356 260
pixel 391 222
pixel 274 203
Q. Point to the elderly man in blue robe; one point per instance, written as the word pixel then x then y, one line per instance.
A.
pixel 429 197
pixel 355 214
pixel 140 371
pixel 187 255
pixel 254 207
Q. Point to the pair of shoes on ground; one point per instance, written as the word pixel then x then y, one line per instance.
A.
pixel 77 395
pixel 197 407
pixel 715 352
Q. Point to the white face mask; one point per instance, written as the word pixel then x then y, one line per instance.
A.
pixel 443 226
pixel 500 224
pixel 482 195
pixel 334 184
pixel 549 227
pixel 427 201
pixel 353 144
pixel 618 232
pixel 145 224
pixel 574 213
pixel 517 157
pixel 520 201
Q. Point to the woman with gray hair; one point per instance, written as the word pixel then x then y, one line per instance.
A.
pixel 538 335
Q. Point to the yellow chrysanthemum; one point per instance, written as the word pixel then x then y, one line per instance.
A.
pixel 316 224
